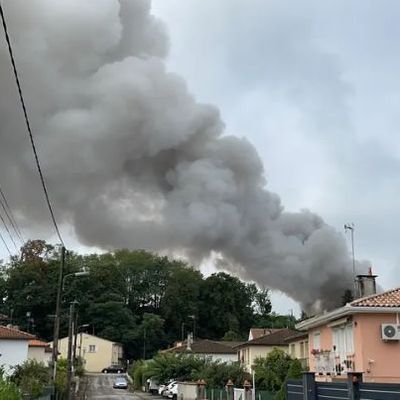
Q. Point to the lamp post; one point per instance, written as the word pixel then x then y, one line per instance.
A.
pixel 57 317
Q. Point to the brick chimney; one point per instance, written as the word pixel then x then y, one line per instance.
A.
pixel 365 284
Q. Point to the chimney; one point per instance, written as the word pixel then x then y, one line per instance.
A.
pixel 365 284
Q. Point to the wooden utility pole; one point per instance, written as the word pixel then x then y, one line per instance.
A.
pixel 57 315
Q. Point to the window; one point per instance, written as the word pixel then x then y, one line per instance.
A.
pixel 302 350
pixel 342 340
pixel 293 350
pixel 92 348
pixel 317 341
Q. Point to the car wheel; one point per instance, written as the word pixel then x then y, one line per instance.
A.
pixel 105 371
pixel 119 371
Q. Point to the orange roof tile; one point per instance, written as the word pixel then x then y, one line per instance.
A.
pixel 37 343
pixel 14 334
pixel 387 299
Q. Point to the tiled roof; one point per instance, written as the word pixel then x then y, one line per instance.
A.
pixel 37 343
pixel 387 299
pixel 14 334
pixel 204 346
pixel 277 338
pixel 296 336
pixel 258 332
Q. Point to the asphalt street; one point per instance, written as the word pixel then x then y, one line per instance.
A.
pixel 101 388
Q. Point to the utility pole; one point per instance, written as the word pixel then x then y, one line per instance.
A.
pixel 144 343
pixel 57 315
pixel 70 345
pixel 350 227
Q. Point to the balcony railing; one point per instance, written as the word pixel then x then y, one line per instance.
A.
pixel 329 362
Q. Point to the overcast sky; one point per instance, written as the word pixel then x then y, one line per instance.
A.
pixel 313 85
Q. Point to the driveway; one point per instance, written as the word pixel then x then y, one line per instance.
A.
pixel 100 387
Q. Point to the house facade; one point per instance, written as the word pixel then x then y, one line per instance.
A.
pixel 97 353
pixel 13 347
pixel 363 336
pixel 39 351
pixel 222 351
pixel 249 351
pixel 299 348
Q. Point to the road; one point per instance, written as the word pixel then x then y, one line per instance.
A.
pixel 101 388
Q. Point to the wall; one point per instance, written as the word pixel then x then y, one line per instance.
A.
pixel 13 352
pixel 187 391
pixel 94 361
pixel 379 360
pixel 39 354
pixel 325 342
pixel 299 349
pixel 249 354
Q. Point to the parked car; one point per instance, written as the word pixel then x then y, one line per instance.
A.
pixel 161 389
pixel 152 386
pixel 113 369
pixel 120 383
pixel 171 391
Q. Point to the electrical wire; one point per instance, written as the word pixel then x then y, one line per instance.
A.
pixel 10 216
pixel 8 231
pixel 5 244
pixel 28 126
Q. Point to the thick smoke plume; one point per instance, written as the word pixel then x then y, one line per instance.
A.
pixel 132 160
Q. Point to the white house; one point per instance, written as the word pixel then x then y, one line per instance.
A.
pixel 13 347
pixel 222 351
pixel 39 351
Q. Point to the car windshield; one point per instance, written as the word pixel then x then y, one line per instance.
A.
pixel 120 380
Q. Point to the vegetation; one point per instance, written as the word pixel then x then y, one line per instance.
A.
pixel 137 298
pixel 272 372
pixel 31 377
pixel 165 366
pixel 9 390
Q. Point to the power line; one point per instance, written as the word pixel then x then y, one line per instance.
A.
pixel 28 126
pixel 5 244
pixel 10 216
pixel 8 231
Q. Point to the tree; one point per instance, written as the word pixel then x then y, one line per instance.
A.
pixel 226 303
pixel 232 336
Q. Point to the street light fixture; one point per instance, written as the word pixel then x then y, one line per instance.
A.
pixel 80 273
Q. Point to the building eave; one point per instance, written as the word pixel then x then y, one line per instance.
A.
pixel 343 312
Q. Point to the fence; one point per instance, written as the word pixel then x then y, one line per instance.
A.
pixel 352 389
pixel 222 394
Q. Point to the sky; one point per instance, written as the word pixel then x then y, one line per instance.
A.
pixel 313 86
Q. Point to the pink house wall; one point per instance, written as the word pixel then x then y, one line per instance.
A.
pixel 325 342
pixel 377 359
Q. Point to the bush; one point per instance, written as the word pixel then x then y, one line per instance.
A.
pixel 9 390
pixel 31 377
pixel 272 372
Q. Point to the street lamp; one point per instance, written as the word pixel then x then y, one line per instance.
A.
pixel 80 273
pixel 60 289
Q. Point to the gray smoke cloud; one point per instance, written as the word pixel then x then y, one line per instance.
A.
pixel 132 160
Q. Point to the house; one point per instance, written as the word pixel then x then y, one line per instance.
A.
pixel 97 353
pixel 298 348
pixel 223 351
pixel 13 347
pixel 39 351
pixel 262 346
pixel 255 333
pixel 363 336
